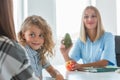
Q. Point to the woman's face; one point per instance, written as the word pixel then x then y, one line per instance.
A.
pixel 34 37
pixel 90 19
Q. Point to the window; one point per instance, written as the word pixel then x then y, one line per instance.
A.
pixel 68 14
pixel 15 12
pixel 118 17
pixel 20 12
pixel 68 19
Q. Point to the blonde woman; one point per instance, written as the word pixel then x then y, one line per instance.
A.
pixel 95 47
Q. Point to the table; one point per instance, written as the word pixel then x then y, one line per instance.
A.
pixel 80 75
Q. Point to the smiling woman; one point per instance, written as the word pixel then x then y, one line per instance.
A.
pixel 92 46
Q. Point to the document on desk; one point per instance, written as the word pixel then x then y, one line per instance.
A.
pixel 106 69
pixel 49 78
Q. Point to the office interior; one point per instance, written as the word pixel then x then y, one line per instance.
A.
pixel 54 12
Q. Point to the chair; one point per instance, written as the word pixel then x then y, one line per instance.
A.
pixel 117 49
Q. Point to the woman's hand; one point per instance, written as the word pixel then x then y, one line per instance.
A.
pixel 65 51
pixel 78 67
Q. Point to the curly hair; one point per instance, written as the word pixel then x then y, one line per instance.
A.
pixel 38 21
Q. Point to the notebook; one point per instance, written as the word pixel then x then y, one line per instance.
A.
pixel 106 69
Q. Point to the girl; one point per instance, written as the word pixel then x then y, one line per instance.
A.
pixel 14 64
pixel 95 47
pixel 36 36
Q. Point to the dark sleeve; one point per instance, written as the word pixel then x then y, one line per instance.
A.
pixel 25 71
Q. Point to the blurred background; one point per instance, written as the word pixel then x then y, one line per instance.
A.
pixel 64 16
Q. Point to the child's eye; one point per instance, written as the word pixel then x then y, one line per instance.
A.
pixel 32 35
pixel 41 36
pixel 86 17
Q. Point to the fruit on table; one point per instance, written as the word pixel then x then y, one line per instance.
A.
pixel 67 40
pixel 69 65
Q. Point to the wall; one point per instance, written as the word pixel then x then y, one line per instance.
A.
pixel 44 8
pixel 108 12
pixel 18 13
pixel 118 17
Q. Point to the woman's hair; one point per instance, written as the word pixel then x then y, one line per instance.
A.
pixel 39 22
pixel 6 19
pixel 100 29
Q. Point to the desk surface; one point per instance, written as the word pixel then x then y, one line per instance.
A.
pixel 93 76
pixel 79 75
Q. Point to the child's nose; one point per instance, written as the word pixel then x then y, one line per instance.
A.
pixel 36 38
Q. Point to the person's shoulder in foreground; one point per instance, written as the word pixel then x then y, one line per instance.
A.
pixel 14 62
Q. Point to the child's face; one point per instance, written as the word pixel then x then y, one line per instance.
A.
pixel 34 37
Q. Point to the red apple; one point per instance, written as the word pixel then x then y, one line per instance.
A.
pixel 69 65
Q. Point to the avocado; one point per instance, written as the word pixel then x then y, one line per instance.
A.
pixel 67 40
